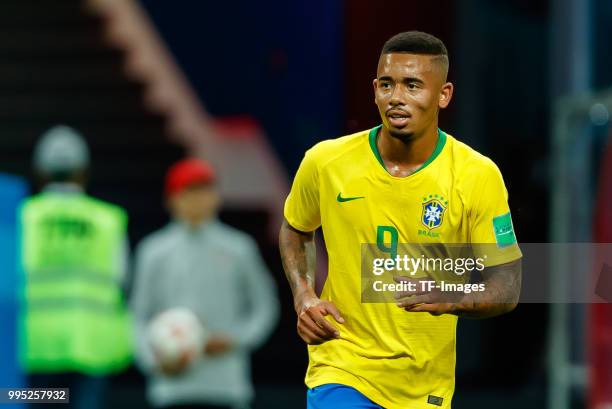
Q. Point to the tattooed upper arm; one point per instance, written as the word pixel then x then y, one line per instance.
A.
pixel 504 281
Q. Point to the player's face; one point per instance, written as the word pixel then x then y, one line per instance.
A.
pixel 409 90
pixel 195 204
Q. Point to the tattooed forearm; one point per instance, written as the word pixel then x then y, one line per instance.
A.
pixel 298 254
pixel 503 287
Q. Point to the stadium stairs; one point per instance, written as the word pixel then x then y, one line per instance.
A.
pixel 57 68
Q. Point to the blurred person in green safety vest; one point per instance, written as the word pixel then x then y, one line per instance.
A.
pixel 74 325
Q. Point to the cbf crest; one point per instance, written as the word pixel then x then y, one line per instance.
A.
pixel 434 208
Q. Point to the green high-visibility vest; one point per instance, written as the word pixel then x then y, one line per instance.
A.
pixel 74 316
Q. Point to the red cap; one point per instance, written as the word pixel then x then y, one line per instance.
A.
pixel 188 172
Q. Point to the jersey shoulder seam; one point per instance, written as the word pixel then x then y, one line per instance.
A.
pixel 329 150
pixel 476 164
pixel 473 156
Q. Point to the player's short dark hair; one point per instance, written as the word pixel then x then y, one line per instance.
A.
pixel 417 42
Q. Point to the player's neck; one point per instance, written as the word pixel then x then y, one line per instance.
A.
pixel 402 157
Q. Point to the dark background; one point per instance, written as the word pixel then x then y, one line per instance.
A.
pixel 303 70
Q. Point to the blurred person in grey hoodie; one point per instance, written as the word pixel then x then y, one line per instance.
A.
pixel 197 262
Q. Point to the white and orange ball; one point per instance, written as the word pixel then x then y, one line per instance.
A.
pixel 176 333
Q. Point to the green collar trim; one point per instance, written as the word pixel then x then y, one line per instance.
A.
pixel 439 146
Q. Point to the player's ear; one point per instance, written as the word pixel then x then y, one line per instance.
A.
pixel 446 94
pixel 374 86
pixel 216 199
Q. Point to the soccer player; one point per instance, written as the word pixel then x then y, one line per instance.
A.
pixel 403 181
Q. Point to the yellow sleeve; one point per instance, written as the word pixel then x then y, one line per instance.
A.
pixel 491 230
pixel 302 205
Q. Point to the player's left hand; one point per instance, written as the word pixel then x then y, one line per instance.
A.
pixel 218 344
pixel 433 301
pixel 178 366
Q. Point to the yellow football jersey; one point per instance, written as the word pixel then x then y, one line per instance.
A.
pixel 398 359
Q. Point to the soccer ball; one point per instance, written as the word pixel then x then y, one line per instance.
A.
pixel 175 333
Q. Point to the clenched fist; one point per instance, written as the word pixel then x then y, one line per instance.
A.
pixel 312 326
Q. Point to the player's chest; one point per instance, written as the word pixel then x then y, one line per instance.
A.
pixel 423 210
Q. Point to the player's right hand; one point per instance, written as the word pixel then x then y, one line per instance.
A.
pixel 218 344
pixel 312 326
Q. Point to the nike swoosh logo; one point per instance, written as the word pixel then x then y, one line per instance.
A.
pixel 347 199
